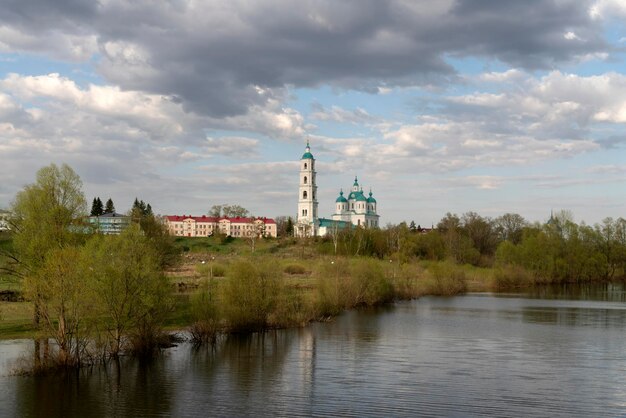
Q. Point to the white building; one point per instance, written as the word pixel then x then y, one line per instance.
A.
pixel 356 210
pixel 4 220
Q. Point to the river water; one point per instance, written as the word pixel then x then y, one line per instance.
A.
pixel 554 352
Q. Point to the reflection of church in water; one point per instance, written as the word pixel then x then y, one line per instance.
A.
pixel 355 210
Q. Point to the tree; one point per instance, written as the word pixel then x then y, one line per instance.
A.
pixel 509 227
pixel 43 215
pixel 228 211
pixel 133 293
pixel 234 211
pixel 110 207
pixel 215 211
pixel 97 208
pixel 412 227
pixel 480 231
pixel 65 309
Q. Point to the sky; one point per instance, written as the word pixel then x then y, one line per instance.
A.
pixel 490 106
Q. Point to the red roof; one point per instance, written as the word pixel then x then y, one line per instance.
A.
pixel 212 219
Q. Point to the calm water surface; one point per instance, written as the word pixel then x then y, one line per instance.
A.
pixel 554 352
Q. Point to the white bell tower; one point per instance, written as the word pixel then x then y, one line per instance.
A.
pixel 306 224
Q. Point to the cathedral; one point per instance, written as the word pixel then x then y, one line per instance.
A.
pixel 355 210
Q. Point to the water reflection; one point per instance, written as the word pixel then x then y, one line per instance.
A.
pixel 476 355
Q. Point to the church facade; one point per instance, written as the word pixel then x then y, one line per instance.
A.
pixel 356 210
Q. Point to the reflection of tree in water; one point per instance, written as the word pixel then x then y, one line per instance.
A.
pixel 608 292
pixel 256 358
pixel 126 388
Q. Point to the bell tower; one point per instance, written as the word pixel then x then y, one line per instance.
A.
pixel 306 224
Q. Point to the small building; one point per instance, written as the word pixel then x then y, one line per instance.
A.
pixel 109 223
pixel 4 220
pixel 330 226
pixel 205 226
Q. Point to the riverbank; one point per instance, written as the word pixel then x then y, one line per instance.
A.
pixel 303 285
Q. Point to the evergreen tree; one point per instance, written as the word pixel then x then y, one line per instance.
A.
pixel 96 207
pixel 289 228
pixel 412 226
pixel 110 207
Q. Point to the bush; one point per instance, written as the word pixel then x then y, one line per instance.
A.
pixel 294 269
pixel 292 309
pixel 446 279
pixel 250 295
pixel 405 281
pixel 342 285
pixel 511 277
pixel 368 283
pixel 204 313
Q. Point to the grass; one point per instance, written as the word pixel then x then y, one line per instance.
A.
pixel 16 320
pixel 303 286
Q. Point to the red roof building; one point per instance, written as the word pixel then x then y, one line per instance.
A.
pixel 205 226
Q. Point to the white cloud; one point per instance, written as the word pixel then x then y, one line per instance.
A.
pixel 604 9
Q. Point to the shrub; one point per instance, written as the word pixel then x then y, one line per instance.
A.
pixel 204 314
pixel 405 281
pixel 511 277
pixel 368 283
pixel 294 269
pixel 250 295
pixel 446 279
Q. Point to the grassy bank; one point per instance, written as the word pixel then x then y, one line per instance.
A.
pixel 221 285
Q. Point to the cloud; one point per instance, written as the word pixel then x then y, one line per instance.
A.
pixel 223 59
pixel 341 115
pixel 605 9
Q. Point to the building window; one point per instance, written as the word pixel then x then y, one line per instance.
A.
pixel 305 179
pixel 305 166
pixel 304 194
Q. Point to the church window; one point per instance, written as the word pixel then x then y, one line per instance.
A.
pixel 359 222
pixel 304 194
pixel 305 179
pixel 305 166
pixel 351 205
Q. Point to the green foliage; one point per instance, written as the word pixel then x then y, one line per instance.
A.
pixel 446 279
pixel 43 213
pixel 229 211
pixel 110 207
pixel 211 269
pixel 133 296
pixel 511 277
pixel 60 287
pixel 204 313
pixel 563 251
pixel 97 208
pixel 343 285
pixel 250 294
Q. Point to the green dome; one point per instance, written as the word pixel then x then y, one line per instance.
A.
pixel 307 152
pixel 371 199
pixel 341 199
pixel 359 197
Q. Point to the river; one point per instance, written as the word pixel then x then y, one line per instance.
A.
pixel 551 352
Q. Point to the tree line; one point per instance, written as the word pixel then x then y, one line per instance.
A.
pixel 559 250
